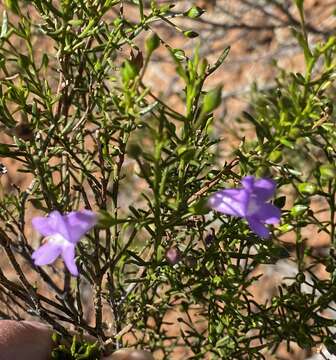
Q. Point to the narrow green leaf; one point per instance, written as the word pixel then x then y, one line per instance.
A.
pixel 219 61
pixel 289 144
pixel 4 27
pixel 106 220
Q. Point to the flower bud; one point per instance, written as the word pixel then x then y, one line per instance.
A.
pixel 190 34
pixel 173 255
pixel 327 171
pixel 275 156
pixel 212 100
pixel 194 12
pixel 152 43
pixel 128 71
pixel 298 210
pixel 307 188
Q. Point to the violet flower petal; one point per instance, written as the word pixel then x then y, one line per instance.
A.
pixel 78 223
pixel 50 225
pixel 268 214
pixel 248 182
pixel 249 202
pixel 68 255
pixel 230 201
pixel 46 254
pixel 258 227
pixel 44 225
pixel 264 188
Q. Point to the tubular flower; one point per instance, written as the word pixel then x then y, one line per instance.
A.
pixel 249 202
pixel 62 233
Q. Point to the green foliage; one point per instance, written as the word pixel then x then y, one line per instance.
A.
pixel 79 350
pixel 88 130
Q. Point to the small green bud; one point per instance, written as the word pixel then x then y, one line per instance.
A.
pixel 194 12
pixel 307 188
pixel 275 156
pixel 152 43
pixel 298 210
pixel 190 34
pixel 328 171
pixel 128 71
pixel 179 54
pixel 212 100
pixel 212 174
pixel 165 8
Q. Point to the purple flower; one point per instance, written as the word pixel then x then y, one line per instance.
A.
pixel 250 203
pixel 62 233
